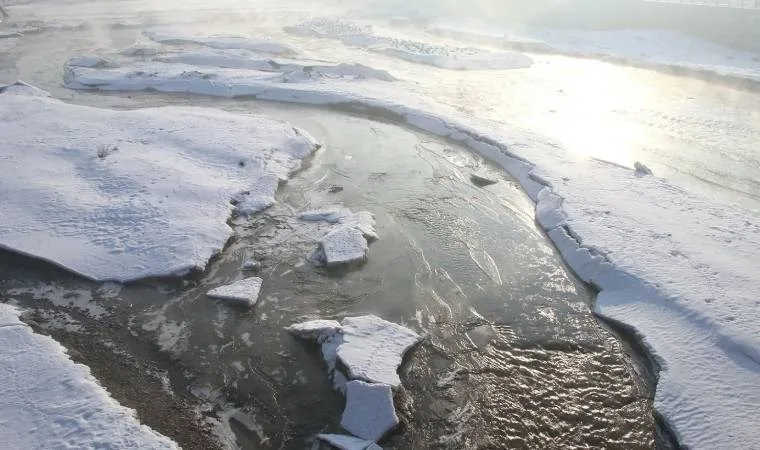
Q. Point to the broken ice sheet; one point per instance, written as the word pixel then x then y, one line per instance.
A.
pixel 369 412
pixel 343 245
pixel 245 291
pixel 345 442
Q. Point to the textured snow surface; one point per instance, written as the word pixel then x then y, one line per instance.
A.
pixel 455 58
pixel 175 37
pixel 344 442
pixel 245 291
pixel 121 195
pixel 649 47
pixel 369 412
pixel 676 267
pixel 48 401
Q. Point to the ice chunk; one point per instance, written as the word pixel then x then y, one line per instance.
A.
pixel 641 169
pixel 147 195
pixel 343 245
pixel 482 180
pixel 363 221
pixel 245 291
pixel 344 442
pixel 48 401
pixel 369 412
pixel 372 348
pixel 315 330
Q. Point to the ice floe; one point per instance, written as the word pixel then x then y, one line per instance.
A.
pixel 243 59
pixel 173 37
pixel 369 412
pixel 48 401
pixel 344 442
pixel 347 242
pixel 148 194
pixel 368 348
pixel 245 291
pixel 456 58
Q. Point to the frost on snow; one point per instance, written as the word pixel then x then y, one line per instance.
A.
pixel 245 291
pixel 48 401
pixel 369 412
pixel 122 195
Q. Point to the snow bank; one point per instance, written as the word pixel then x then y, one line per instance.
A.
pixel 173 37
pixel 48 401
pixel 121 195
pixel 645 47
pixel 679 269
pixel 446 57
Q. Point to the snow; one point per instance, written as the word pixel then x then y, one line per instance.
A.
pixel 344 244
pixel 343 442
pixel 48 401
pixel 245 291
pixel 646 47
pixel 677 268
pixel 446 57
pixel 369 412
pixel 174 37
pixel 147 195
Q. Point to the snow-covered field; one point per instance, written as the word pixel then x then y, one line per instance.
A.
pixel 678 269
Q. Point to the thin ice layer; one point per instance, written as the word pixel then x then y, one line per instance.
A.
pixel 48 401
pixel 148 194
pixel 369 412
pixel 245 291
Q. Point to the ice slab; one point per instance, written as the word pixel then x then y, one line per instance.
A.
pixel 315 330
pixel 48 401
pixel 344 244
pixel 174 37
pixel 344 442
pixel 447 57
pixel 245 291
pixel 330 215
pixel 369 412
pixel 363 221
pixel 243 59
pixel 373 348
pixel 88 61
pixel 147 195
pixel 369 348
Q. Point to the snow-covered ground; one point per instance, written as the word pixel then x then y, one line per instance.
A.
pixel 675 267
pixel 48 401
pixel 645 47
pixel 124 195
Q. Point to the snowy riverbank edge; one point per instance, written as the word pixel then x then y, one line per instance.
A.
pixel 673 266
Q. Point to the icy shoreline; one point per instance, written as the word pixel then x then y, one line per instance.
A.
pixel 673 266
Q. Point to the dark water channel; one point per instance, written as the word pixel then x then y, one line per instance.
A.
pixel 513 357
